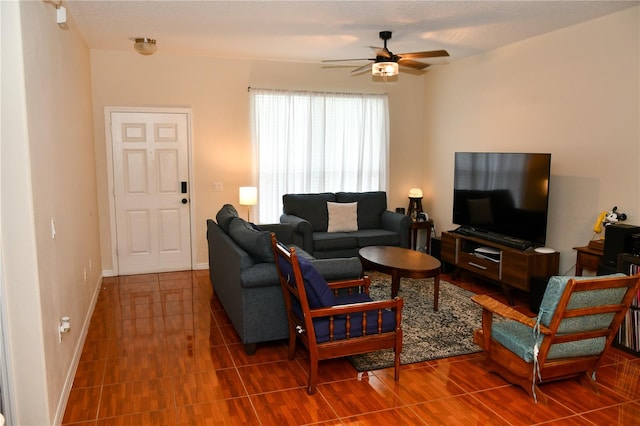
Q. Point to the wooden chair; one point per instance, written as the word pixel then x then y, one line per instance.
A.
pixel 578 320
pixel 334 319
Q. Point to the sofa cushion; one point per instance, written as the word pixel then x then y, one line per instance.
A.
pixel 334 241
pixel 343 217
pixel 224 217
pixel 256 243
pixel 370 206
pixel 377 237
pixel 311 207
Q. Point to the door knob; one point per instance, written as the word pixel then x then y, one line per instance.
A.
pixel 185 201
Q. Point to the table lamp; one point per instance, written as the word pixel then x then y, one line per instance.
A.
pixel 415 202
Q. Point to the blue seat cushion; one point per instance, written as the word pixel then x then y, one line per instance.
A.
pixel 519 339
pixel 321 325
pixel 319 295
pixel 340 300
pixel 349 299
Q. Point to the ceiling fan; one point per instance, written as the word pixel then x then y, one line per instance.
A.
pixel 386 62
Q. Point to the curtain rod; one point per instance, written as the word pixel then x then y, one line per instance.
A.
pixel 314 91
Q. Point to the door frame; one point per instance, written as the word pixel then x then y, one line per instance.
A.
pixel 108 110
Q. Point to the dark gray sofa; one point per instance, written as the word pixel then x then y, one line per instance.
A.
pixel 308 214
pixel 244 276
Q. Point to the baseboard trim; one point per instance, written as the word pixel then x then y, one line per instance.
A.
pixel 71 374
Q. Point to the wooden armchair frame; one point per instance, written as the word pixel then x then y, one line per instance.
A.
pixel 516 370
pixel 302 327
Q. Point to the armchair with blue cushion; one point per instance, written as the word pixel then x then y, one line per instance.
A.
pixel 335 319
pixel 578 320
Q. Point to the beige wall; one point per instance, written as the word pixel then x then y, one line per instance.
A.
pixel 574 93
pixel 47 173
pixel 216 91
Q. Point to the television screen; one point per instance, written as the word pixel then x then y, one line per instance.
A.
pixel 503 193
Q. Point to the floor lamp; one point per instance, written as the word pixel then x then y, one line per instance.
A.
pixel 248 197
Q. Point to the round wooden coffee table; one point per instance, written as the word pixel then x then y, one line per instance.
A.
pixel 400 262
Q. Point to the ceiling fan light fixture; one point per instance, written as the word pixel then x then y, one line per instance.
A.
pixel 144 45
pixel 384 69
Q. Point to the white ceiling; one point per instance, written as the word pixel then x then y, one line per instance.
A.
pixel 309 31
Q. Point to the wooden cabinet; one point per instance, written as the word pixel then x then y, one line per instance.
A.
pixel 587 258
pixel 508 267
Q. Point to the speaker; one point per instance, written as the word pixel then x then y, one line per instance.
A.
pixel 436 244
pixel 617 239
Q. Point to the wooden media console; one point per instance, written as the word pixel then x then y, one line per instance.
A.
pixel 506 266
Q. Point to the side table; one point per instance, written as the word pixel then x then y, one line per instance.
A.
pixel 413 234
pixel 587 259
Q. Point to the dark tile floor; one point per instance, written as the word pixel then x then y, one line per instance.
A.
pixel 161 351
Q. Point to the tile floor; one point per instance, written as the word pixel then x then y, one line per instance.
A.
pixel 161 351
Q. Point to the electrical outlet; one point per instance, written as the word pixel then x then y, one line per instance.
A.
pixel 90 265
pixel 85 275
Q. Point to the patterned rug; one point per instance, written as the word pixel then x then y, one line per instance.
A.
pixel 426 334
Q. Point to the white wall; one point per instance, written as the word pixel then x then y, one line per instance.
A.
pixel 216 90
pixel 574 93
pixel 47 173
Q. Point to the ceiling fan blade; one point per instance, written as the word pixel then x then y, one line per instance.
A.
pixel 347 60
pixel 422 55
pixel 412 64
pixel 341 66
pixel 362 68
pixel 381 51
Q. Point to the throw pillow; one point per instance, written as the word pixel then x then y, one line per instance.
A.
pixel 343 217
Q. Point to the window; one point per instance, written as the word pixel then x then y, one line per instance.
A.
pixel 317 142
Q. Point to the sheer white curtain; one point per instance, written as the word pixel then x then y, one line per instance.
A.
pixel 317 142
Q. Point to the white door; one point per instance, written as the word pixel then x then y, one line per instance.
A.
pixel 151 191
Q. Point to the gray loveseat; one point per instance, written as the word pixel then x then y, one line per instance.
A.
pixel 309 214
pixel 244 276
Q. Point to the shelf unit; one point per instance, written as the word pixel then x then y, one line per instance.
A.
pixel 513 268
pixel 629 332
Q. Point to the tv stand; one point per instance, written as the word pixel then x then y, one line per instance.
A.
pixel 510 267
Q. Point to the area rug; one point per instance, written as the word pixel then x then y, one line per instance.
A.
pixel 426 334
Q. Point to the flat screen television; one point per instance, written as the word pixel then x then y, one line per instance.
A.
pixel 503 193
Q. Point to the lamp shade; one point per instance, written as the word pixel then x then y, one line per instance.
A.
pixel 384 69
pixel 248 195
pixel 415 193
